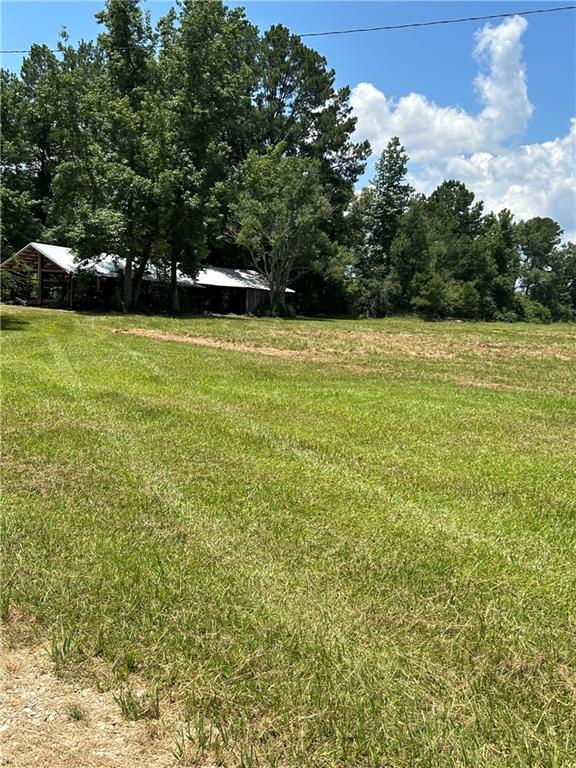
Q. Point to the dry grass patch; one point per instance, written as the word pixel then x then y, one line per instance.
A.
pixel 50 722
pixel 375 343
pixel 207 341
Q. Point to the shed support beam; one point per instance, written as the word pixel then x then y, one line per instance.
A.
pixel 39 280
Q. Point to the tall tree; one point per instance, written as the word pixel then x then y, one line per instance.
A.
pixel 299 106
pixel 548 268
pixel 542 267
pixel 567 267
pixel 412 262
pixel 85 212
pixel 538 238
pixel 40 71
pixel 391 196
pixel 375 216
pixel 277 215
pixel 18 176
pixel 496 265
pixel 204 91
pixel 30 152
pixel 127 44
pixel 455 221
pixel 103 196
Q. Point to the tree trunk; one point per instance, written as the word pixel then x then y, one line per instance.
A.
pixel 127 303
pixel 137 279
pixel 174 297
pixel 277 300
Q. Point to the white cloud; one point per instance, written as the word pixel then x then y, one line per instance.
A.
pixel 448 142
pixel 502 90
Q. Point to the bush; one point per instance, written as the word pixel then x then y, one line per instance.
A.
pixel 286 311
pixel 506 316
pixel 431 299
pixel 374 296
pixel 531 311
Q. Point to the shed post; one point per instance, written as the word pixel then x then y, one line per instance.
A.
pixel 70 290
pixel 40 279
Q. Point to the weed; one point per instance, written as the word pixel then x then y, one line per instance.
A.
pixel 62 646
pixel 199 740
pixel 75 712
pixel 138 706
pixel 5 599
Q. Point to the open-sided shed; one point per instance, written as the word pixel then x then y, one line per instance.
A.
pixel 234 290
pixel 50 271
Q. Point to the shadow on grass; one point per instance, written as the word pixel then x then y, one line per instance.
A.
pixel 8 323
pixel 205 316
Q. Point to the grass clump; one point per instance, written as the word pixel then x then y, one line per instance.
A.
pixel 62 646
pixel 354 547
pixel 138 705
pixel 76 713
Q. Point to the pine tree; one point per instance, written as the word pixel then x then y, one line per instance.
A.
pixel 391 197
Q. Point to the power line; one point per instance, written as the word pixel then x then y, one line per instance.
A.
pixel 443 21
pixel 412 25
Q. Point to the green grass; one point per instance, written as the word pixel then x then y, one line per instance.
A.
pixel 360 554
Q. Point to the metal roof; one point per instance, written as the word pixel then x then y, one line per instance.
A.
pixel 61 256
pixel 109 265
pixel 154 275
pixel 106 266
pixel 225 277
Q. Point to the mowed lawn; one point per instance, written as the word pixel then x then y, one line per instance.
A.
pixel 338 543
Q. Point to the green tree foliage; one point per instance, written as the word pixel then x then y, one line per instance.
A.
pixel 548 268
pixel 455 222
pixel 203 91
pixel 375 217
pixel 17 189
pixel 151 143
pixel 127 43
pixel 277 214
pixel 449 259
pixel 29 149
pixel 538 238
pixel 85 212
pixel 391 196
pixel 118 146
pixel 103 195
pixel 412 263
pixel 298 105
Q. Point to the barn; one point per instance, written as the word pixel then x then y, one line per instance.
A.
pixel 49 276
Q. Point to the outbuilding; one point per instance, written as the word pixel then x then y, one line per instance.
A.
pixel 233 290
pixel 44 274
pixel 50 276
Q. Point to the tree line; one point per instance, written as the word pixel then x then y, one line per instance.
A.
pixel 443 256
pixel 204 139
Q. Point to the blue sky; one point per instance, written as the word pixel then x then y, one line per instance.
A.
pixel 438 65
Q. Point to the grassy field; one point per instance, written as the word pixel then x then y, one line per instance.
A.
pixel 338 543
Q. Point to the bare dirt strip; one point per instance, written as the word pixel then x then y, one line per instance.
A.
pixel 208 341
pixel 410 344
pixel 38 728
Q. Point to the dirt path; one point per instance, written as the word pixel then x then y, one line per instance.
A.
pixel 38 729
pixel 209 341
